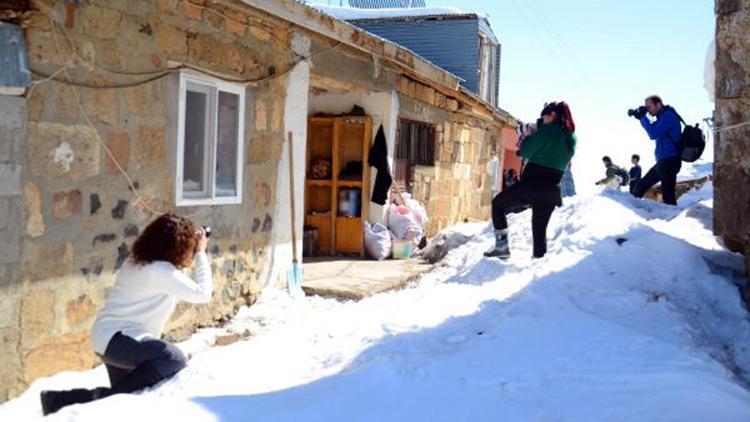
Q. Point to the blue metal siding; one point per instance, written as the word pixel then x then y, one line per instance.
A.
pixel 14 67
pixel 452 44
pixel 377 4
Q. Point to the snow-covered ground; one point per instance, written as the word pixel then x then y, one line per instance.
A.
pixel 634 315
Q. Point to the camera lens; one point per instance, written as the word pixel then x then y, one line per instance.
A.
pixel 207 230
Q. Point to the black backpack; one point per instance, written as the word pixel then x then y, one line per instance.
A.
pixel 623 175
pixel 692 141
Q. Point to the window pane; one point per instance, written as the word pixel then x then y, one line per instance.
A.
pixel 226 144
pixel 194 159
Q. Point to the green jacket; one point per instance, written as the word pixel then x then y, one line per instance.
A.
pixel 550 146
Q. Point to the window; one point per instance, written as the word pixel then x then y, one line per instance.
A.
pixel 487 70
pixel 415 147
pixel 210 142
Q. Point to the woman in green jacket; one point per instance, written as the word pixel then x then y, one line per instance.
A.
pixel 548 152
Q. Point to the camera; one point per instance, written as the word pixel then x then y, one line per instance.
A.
pixel 207 230
pixel 637 112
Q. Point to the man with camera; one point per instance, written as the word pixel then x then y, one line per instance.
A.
pixel 666 131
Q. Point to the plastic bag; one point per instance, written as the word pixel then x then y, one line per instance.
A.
pixel 416 208
pixel 377 241
pixel 404 224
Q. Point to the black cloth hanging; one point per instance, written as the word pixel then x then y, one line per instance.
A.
pixel 378 158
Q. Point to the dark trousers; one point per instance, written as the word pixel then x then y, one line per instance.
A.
pixel 634 186
pixel 133 365
pixel 540 189
pixel 665 171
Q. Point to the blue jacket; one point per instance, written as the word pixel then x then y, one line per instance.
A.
pixel 635 173
pixel 666 131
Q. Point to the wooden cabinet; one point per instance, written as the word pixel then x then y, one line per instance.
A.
pixel 341 144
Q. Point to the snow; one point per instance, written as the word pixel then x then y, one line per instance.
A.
pixel 353 13
pixel 696 170
pixel 651 329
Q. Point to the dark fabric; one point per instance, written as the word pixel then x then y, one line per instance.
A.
pixel 133 365
pixel 665 171
pixel 635 172
pixel 540 189
pixel 540 216
pixel 378 158
pixel 635 177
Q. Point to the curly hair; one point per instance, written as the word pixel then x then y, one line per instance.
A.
pixel 169 238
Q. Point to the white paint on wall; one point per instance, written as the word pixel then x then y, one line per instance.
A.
pixel 383 108
pixel 63 156
pixel 295 121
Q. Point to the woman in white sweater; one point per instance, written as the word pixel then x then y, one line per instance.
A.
pixel 127 331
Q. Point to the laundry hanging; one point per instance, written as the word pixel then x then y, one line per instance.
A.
pixel 378 158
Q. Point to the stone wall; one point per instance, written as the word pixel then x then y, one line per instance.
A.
pixel 12 137
pixel 732 147
pixel 80 213
pixel 457 187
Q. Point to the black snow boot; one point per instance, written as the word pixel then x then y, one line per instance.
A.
pixel 501 249
pixel 52 401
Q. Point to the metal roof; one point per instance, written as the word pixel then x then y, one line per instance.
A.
pixel 381 4
pixel 14 66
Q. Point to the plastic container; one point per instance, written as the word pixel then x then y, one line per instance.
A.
pixel 402 249
pixel 350 202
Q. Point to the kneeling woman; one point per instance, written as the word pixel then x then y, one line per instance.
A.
pixel 548 152
pixel 127 332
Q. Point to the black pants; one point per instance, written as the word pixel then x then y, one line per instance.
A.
pixel 133 365
pixel 540 189
pixel 633 186
pixel 665 171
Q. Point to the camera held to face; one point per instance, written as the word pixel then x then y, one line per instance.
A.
pixel 638 113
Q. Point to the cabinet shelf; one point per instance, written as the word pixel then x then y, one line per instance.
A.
pixel 345 140
pixel 319 182
pixel 349 183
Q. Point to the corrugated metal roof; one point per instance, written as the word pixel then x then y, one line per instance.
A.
pixel 14 66
pixel 451 44
pixel 380 4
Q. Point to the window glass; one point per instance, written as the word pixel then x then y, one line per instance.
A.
pixel 226 144
pixel 195 170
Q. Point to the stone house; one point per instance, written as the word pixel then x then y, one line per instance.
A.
pixel 732 113
pixel 137 107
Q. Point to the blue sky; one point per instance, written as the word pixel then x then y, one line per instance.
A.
pixel 603 57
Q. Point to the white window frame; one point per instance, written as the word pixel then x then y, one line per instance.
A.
pixel 213 86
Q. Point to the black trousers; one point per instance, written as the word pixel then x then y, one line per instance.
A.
pixel 133 365
pixel 539 188
pixel 665 171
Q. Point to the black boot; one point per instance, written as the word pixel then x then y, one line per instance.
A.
pixel 501 249
pixel 52 401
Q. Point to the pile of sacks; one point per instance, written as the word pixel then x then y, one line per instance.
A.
pixel 405 229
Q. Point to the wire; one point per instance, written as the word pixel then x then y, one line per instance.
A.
pixel 730 127
pixel 69 81
pixel 552 52
pixel 50 14
pixel 87 120
pixel 77 96
pixel 560 41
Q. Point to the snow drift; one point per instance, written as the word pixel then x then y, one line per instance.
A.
pixel 634 314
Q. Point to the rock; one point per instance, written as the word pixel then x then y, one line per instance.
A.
pixel 441 245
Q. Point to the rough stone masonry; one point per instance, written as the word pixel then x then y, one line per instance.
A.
pixel 732 147
pixel 67 215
